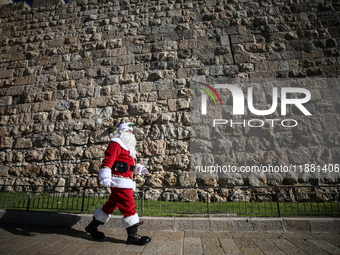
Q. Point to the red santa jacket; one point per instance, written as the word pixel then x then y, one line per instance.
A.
pixel 115 153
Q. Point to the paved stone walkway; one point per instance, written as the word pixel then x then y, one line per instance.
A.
pixel 34 239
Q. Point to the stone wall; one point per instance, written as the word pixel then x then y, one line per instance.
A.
pixel 71 72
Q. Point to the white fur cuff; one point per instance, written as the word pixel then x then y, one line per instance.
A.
pixel 101 216
pixel 139 168
pixel 130 221
pixel 104 173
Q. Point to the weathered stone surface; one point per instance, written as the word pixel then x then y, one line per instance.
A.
pixel 34 156
pixel 6 142
pixel 23 143
pixel 100 136
pixel 154 181
pixel 94 151
pixel 185 180
pixel 201 224
pixel 72 153
pixel 82 168
pixel 52 155
pixel 49 170
pixel 78 138
pixel 291 224
pixel 140 108
pixel 31 170
pixel 170 179
pixel 56 140
pixel 63 84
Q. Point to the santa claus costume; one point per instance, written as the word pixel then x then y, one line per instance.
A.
pixel 118 172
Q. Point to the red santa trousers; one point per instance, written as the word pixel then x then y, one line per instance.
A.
pixel 123 199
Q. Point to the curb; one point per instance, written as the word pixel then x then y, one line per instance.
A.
pixel 229 224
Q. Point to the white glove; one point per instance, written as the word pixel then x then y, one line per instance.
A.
pixel 106 182
pixel 105 177
pixel 141 170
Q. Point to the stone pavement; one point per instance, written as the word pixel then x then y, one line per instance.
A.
pixel 38 239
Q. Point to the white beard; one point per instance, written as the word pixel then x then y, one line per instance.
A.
pixel 130 142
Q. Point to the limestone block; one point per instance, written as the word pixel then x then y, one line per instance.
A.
pixel 183 132
pixel 156 147
pixel 99 101
pixel 34 156
pixel 52 155
pixel 120 110
pixel 100 136
pixel 225 40
pixel 72 153
pixel 7 100
pixel 242 224
pixel 177 147
pixel 324 225
pixel 43 3
pixel 140 108
pixel 154 181
pixel 31 170
pixel 23 143
pixel 64 115
pixel 299 225
pixel 6 74
pixel 49 170
pixel 176 161
pixel 40 117
pixel 88 113
pixel 95 151
pixel 78 138
pixel 156 223
pixel 67 84
pixel 5 131
pixel 168 117
pixel 269 224
pixel 187 44
pixel 127 78
pixel 167 93
pixel 61 183
pixel 56 139
pixel 192 224
pixel 82 168
pixel 170 179
pixel 145 87
pixel 6 142
pixel 130 88
pixel 155 75
pixel 222 224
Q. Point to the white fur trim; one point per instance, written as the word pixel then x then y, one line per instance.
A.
pixel 125 126
pixel 139 168
pixel 130 221
pixel 120 142
pixel 104 173
pixel 122 183
pixel 101 216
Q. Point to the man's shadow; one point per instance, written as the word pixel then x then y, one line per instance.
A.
pixel 8 223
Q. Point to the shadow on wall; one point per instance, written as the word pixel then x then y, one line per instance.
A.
pixel 32 223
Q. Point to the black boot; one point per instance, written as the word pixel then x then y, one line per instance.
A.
pixel 133 238
pixel 93 230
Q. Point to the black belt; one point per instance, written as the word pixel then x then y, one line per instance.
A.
pixel 122 167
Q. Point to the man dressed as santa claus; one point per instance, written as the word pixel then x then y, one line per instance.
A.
pixel 118 173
